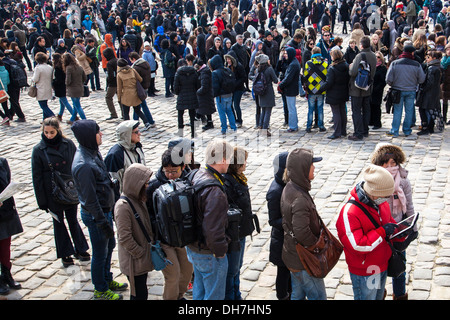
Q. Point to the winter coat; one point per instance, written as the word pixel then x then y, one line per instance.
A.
pixel 75 79
pixel 143 68
pixel 91 177
pixel 61 156
pixel 111 69
pixel 59 82
pixel 273 198
pixel 379 82
pixel 445 83
pixel 166 55
pixel 82 59
pixel 9 218
pixel 4 77
pixel 431 87
pixel 268 99
pixel 312 79
pixel 238 70
pixel 365 247
pixel 289 84
pixel 185 87
pixel 134 251
pixel 205 95
pixel 124 153
pixel 336 84
pixel 213 207
pixel 298 209
pixel 42 77
pixel 107 44
pixel 353 71
pixel 126 86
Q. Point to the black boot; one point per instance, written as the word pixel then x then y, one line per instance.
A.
pixel 4 289
pixel 7 278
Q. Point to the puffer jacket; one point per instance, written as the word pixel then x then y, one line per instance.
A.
pixel 126 86
pixel 212 217
pixel 133 247
pixel 205 95
pixel 185 87
pixel 336 84
pixel 300 216
pixel 124 153
pixel 91 177
pixel 107 44
pixel 365 247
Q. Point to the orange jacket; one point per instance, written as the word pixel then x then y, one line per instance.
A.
pixel 106 44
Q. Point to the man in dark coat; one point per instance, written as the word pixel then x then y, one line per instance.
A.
pixel 205 95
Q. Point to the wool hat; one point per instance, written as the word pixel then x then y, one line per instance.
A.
pixel 262 58
pixel 146 44
pixel 60 41
pixel 378 182
pixel 409 48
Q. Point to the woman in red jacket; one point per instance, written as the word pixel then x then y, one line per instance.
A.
pixel 366 247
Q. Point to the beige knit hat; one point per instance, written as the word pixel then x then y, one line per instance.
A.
pixel 378 181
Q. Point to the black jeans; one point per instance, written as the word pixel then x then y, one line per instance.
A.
pixel 191 118
pixel 361 115
pixel 137 110
pixel 14 94
pixel 140 285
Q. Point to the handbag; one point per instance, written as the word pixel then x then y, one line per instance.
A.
pixel 141 92
pixel 86 91
pixel 63 186
pixel 32 90
pixel 159 259
pixel 397 262
pixel 3 94
pixel 320 258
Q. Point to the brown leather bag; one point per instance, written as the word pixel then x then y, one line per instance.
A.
pixel 320 258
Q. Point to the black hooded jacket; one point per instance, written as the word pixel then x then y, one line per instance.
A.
pixel 91 177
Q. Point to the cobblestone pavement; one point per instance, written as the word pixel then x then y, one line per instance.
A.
pixel 42 276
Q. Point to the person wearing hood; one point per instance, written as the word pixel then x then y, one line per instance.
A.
pixel 178 275
pixel 96 196
pixel 223 99
pixel 273 197
pixel 366 247
pixel 133 247
pixel 289 86
pixel 266 101
pixel 185 87
pixel 301 223
pixel 159 37
pixel 106 44
pixel 151 57
pixel 127 91
pixel 144 70
pixel 232 62
pixel 87 23
pixel 205 95
pixel 124 153
pixel 57 151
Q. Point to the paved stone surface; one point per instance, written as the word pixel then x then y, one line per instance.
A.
pixel 42 276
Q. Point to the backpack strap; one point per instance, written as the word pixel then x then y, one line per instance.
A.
pixel 354 202
pixel 138 218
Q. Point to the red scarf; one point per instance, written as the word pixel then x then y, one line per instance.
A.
pixel 408 55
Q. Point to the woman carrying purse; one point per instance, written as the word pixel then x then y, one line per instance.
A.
pixel 58 150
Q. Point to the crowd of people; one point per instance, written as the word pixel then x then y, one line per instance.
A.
pixel 209 52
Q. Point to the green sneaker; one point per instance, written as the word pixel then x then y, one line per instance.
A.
pixel 117 286
pixel 107 295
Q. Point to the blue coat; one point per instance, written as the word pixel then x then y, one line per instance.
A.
pixel 4 76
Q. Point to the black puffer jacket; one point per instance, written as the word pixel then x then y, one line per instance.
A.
pixel 205 95
pixel 336 84
pixel 185 87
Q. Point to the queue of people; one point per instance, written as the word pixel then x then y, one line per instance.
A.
pixel 207 59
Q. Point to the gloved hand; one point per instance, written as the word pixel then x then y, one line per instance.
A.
pixel 106 229
pixel 389 228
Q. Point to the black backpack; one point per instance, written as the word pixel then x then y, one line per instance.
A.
pixel 228 81
pixel 176 210
pixel 18 76
pixel 260 84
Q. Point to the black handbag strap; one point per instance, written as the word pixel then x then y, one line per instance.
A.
pixel 48 160
pixel 354 202
pixel 138 218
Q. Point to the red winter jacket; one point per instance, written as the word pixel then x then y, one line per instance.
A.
pixel 366 250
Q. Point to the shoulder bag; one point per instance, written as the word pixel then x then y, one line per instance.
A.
pixel 32 90
pixel 320 258
pixel 397 262
pixel 158 255
pixel 63 186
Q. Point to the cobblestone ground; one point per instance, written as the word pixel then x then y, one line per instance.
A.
pixel 42 276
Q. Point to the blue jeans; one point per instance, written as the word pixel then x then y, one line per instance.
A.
pixel 315 101
pixel 102 249
pixel 399 283
pixel 77 109
pixel 94 75
pixel 64 103
pixel 210 274
pixel 224 110
pixel 292 110
pixel 369 287
pixel 264 118
pixel 45 109
pixel 305 286
pixel 406 99
pixel 146 112
pixel 235 260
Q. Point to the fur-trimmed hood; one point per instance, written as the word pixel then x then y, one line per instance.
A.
pixel 384 151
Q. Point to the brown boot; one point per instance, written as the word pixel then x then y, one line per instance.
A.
pixel 403 297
